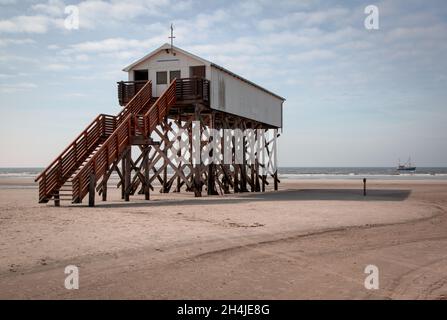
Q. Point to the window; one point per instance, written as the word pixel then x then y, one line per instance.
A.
pixel 175 74
pixel 139 75
pixel 197 71
pixel 162 77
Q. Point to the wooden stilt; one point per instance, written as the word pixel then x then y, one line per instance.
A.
pixel 252 175
pixel 165 177
pixel 91 190
pixel 236 178
pixel 146 175
pixel 275 160
pixel 104 191
pixel 179 154
pixel 127 174
pixel 275 182
pixel 197 173
pixel 235 167
pixel 243 167
pixel 165 151
pixel 197 181
pixel 212 180
pixel 122 176
pixel 57 199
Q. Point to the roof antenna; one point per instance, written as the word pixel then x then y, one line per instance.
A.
pixel 172 39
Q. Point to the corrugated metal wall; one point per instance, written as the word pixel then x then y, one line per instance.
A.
pixel 238 97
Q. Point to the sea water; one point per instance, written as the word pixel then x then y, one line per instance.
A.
pixel 300 173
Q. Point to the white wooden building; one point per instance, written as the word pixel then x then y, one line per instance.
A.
pixel 229 92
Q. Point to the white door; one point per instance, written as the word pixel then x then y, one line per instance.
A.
pixel 161 80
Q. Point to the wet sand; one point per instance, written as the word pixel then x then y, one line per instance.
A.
pixel 311 239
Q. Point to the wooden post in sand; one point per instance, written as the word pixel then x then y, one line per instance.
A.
pixel 127 174
pixel 275 160
pixel 236 169
pixel 123 171
pixel 197 172
pixel 104 191
pixel 179 155
pixel 275 183
pixel 243 167
pixel 364 186
pixel 57 200
pixel 146 174
pixel 91 190
pixel 211 179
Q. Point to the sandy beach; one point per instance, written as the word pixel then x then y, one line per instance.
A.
pixel 310 240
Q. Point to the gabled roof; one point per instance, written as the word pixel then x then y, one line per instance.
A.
pixel 164 47
pixel 204 61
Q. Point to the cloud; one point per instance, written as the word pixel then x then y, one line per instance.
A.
pixel 28 24
pixel 14 58
pixel 6 42
pixel 206 20
pixel 118 49
pixel 10 75
pixel 110 45
pixel 15 87
pixel 54 8
pixel 56 67
pixel 92 13
pixel 311 55
pixel 304 19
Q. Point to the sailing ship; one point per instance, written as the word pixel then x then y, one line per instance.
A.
pixel 406 167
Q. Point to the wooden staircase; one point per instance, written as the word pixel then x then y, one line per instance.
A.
pixel 56 181
pixel 119 141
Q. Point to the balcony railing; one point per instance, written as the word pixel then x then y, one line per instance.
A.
pixel 193 89
pixel 186 89
pixel 127 89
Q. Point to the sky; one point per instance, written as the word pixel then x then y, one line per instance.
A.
pixel 354 96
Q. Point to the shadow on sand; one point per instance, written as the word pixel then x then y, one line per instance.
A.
pixel 285 195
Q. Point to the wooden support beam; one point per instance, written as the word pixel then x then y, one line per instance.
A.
pixel 104 190
pixel 243 166
pixel 122 177
pixel 146 175
pixel 211 178
pixel 91 190
pixel 243 170
pixel 275 178
pixel 197 175
pixel 257 185
pixel 236 186
pixel 179 154
pixel 236 169
pixel 252 177
pixel 197 181
pixel 275 160
pixel 227 179
pixel 211 185
pixel 57 199
pixel 127 174
pixel 164 188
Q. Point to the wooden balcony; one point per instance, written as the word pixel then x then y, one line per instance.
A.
pixel 127 89
pixel 187 90
pixel 192 89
